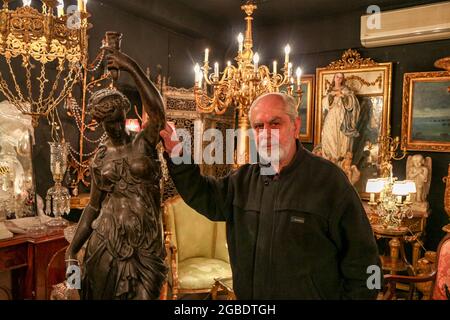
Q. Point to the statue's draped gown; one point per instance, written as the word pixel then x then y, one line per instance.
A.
pixel 125 254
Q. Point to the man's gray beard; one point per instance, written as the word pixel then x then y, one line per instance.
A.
pixel 273 155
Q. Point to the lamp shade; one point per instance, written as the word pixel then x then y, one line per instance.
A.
pixel 411 186
pixel 400 188
pixel 374 186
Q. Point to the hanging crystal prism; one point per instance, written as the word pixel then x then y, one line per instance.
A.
pixel 58 197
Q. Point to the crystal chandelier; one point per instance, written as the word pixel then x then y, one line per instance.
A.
pixel 238 86
pixel 390 199
pixel 32 43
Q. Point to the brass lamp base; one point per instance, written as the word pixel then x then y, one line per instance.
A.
pixel 80 201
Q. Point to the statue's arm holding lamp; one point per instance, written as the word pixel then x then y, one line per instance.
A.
pixel 150 97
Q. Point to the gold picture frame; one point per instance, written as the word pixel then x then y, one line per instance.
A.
pixel 306 109
pixel 426 111
pixel 353 145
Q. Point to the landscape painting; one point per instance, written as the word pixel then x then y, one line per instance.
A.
pixel 426 111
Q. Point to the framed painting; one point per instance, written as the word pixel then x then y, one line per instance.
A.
pixel 426 111
pixel 352 113
pixel 306 108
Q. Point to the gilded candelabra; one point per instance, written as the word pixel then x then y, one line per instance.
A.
pixel 32 42
pixel 389 151
pixel 394 201
pixel 394 197
pixel 240 85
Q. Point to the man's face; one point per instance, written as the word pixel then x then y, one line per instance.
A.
pixel 273 127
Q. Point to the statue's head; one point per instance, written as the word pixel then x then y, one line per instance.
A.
pixel 110 107
pixel 418 160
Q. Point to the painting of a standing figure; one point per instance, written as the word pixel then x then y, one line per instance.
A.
pixel 341 117
pixel 352 112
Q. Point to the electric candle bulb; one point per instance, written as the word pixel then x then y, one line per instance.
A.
pixel 60 8
pixel 287 50
pixel 206 54
pixel 196 71
pixel 82 5
pixel 274 67
pixel 256 60
pixel 298 73
pixel 26 3
pixel 240 41
pixel 200 78
pixel 216 69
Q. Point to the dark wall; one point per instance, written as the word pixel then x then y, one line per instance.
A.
pixel 148 43
pixel 317 42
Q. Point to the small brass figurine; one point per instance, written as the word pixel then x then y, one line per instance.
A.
pixel 124 257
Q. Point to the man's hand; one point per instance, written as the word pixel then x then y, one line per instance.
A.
pixel 172 144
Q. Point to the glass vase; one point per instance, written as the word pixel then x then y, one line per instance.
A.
pixel 58 197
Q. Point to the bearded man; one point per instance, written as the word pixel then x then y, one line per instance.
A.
pixel 299 233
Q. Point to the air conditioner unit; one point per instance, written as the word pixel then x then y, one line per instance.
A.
pixel 409 25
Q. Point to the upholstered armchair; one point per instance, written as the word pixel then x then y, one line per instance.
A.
pixel 438 276
pixel 197 249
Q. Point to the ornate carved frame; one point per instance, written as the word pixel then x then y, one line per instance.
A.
pixel 308 80
pixel 407 111
pixel 352 63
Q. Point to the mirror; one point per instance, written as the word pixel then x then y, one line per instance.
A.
pixel 17 187
pixel 352 112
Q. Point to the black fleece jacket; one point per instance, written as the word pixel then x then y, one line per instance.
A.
pixel 302 234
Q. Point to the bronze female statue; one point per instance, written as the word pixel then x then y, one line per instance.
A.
pixel 124 256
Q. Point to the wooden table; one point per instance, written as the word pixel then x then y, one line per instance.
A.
pixel 27 257
pixel 411 231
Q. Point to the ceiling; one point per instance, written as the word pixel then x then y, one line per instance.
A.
pixel 276 11
pixel 214 20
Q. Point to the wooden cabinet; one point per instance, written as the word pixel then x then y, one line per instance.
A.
pixel 28 258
